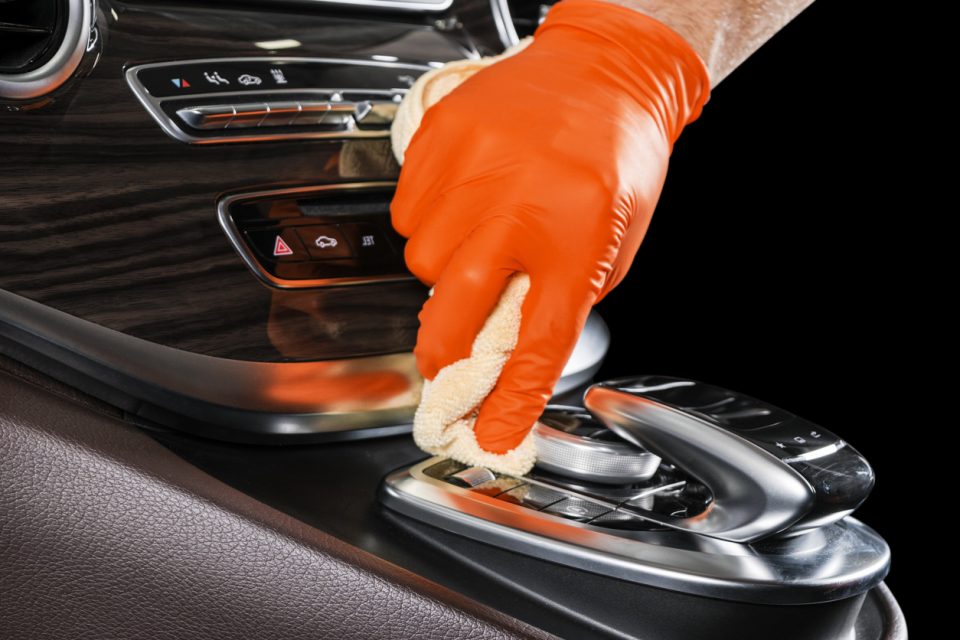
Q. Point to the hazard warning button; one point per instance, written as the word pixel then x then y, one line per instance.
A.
pixel 277 245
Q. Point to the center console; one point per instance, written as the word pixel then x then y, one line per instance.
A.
pixel 718 495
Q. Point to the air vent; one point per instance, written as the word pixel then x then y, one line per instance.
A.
pixel 30 32
pixel 41 43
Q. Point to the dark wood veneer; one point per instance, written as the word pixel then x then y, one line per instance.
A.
pixel 105 217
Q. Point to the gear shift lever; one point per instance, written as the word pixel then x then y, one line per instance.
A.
pixel 769 471
pixel 748 504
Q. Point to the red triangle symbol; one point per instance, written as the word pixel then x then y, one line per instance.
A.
pixel 281 248
pixel 186 84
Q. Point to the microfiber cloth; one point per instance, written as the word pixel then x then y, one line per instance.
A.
pixel 443 424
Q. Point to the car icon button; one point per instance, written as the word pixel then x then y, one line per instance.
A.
pixel 325 242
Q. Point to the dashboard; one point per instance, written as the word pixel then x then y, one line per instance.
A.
pixel 194 224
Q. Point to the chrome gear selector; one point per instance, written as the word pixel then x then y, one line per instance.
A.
pixel 677 485
pixel 768 470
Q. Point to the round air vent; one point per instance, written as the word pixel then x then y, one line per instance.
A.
pixel 41 44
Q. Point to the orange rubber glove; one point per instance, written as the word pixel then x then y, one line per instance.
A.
pixel 549 162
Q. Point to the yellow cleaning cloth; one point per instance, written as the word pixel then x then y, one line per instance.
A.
pixel 430 88
pixel 443 424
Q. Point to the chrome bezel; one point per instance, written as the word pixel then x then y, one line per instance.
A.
pixel 58 69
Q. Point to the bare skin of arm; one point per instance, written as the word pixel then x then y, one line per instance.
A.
pixel 724 33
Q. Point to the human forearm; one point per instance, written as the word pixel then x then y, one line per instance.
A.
pixel 723 32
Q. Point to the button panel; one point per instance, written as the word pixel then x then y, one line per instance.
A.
pixel 317 236
pixel 669 494
pixel 243 100
pixel 272 116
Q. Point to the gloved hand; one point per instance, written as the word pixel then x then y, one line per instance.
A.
pixel 549 162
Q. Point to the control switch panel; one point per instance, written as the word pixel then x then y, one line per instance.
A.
pixel 262 99
pixel 318 236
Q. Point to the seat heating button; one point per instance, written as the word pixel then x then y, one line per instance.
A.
pixel 277 245
pixel 577 509
pixel 325 242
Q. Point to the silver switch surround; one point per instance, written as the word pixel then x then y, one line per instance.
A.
pixel 319 105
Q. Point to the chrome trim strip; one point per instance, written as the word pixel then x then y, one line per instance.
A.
pixel 836 562
pixel 236 398
pixel 233 234
pixel 60 67
pixel 169 126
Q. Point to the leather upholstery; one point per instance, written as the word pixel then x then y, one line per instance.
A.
pixel 106 534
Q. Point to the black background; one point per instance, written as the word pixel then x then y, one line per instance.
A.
pixel 775 263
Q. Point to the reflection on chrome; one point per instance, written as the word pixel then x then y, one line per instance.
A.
pixel 277 45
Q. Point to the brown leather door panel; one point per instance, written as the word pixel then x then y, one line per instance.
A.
pixel 104 533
